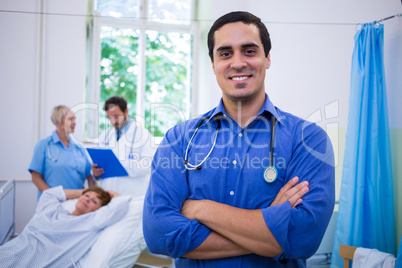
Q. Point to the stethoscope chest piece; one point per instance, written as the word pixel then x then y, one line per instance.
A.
pixel 270 174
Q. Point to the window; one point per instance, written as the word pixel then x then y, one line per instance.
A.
pixel 142 51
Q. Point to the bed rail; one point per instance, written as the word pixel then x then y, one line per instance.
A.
pixel 7 211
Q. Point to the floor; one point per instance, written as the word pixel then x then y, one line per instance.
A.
pixel 146 260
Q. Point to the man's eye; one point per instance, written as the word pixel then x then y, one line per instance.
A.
pixel 250 51
pixel 225 54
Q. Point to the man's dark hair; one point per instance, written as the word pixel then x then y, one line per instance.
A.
pixel 246 18
pixel 113 101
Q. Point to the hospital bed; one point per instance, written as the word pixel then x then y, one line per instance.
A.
pixel 7 210
pixel 118 245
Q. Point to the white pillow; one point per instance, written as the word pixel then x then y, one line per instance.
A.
pixel 134 186
pixel 120 244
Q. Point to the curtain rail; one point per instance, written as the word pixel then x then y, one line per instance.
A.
pixel 391 17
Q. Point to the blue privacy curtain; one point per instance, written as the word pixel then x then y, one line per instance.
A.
pixel 366 203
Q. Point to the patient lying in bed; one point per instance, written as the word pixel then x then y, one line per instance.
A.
pixel 57 238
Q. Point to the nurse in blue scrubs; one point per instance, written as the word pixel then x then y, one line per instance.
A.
pixel 58 159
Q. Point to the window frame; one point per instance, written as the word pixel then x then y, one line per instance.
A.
pixel 143 24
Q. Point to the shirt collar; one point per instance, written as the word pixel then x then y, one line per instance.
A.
pixel 124 129
pixel 268 106
pixel 55 137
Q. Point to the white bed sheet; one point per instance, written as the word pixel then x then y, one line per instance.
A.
pixel 120 244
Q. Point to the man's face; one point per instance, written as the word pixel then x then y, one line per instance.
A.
pixel 239 62
pixel 117 117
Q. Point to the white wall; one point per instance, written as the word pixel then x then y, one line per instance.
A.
pixel 311 59
pixel 26 100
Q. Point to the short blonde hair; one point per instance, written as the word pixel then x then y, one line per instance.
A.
pixel 58 113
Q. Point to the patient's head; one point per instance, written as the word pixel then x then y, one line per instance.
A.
pixel 91 199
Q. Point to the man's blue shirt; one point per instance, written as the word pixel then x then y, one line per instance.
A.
pixel 233 175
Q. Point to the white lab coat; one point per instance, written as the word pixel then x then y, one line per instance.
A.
pixel 138 142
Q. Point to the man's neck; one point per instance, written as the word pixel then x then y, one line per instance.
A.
pixel 124 123
pixel 243 112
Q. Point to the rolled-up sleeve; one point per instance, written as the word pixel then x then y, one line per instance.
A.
pixel 166 230
pixel 299 230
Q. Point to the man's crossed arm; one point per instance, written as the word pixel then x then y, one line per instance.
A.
pixel 238 231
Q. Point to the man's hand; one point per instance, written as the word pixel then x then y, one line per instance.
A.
pixel 291 192
pixel 97 171
pixel 249 231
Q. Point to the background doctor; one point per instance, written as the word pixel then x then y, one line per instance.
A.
pixel 131 143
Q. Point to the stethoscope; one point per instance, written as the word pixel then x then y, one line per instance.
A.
pixel 187 164
pixel 48 152
pixel 49 155
pixel 270 172
pixel 130 155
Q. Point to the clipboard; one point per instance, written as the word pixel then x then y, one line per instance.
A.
pixel 106 159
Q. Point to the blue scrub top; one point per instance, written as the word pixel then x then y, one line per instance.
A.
pixel 60 165
pixel 233 174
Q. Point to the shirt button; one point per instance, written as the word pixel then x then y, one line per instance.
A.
pixel 234 162
pixel 231 193
pixel 240 135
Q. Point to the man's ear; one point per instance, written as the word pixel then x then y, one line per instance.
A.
pixel 268 61
pixel 213 66
pixel 126 113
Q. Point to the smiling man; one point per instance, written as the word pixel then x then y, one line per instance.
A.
pixel 256 186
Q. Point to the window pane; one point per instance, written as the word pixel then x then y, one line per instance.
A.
pixel 118 8
pixel 168 62
pixel 170 11
pixel 119 68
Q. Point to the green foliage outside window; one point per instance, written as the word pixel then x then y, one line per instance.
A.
pixel 167 75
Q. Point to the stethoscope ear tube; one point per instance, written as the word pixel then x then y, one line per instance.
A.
pixel 270 173
pixel 187 164
pixel 48 152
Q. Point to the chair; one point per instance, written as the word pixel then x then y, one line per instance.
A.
pixel 347 253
